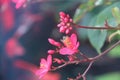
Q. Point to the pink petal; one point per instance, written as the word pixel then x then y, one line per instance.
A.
pixel 43 61
pixel 73 39
pixel 20 3
pixel 66 51
pixel 41 72
pixel 77 45
pixel 49 61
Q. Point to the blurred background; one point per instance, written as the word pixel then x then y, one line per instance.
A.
pixel 25 29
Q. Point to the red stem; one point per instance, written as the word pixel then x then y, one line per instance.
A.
pixel 106 28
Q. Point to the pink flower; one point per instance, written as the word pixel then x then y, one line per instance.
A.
pixel 19 3
pixel 45 66
pixel 65 23
pixel 71 45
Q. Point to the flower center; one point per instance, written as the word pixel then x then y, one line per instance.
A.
pixel 42 66
pixel 67 42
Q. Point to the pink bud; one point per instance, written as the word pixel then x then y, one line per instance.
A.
pixel 62 29
pixel 67 31
pixel 68 16
pixel 71 58
pixel 65 27
pixel 61 19
pixel 57 60
pixel 51 41
pixel 57 44
pixel 66 20
pixel 70 20
pixel 62 23
pixel 51 51
pixel 58 25
pixel 70 28
pixel 62 14
pixel 68 24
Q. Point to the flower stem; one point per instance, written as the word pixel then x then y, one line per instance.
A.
pixel 105 28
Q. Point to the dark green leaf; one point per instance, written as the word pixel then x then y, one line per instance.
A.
pixel 98 37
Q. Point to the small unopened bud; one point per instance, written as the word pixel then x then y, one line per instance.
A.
pixel 67 31
pixel 58 61
pixel 68 16
pixel 70 28
pixel 58 25
pixel 51 51
pixel 62 29
pixel 62 14
pixel 57 44
pixel 71 58
pixel 71 20
pixel 51 41
pixel 66 20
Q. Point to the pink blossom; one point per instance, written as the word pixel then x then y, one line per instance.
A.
pixel 45 66
pixel 65 23
pixel 19 3
pixel 71 45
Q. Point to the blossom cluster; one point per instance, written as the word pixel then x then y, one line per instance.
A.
pixel 65 23
pixel 67 46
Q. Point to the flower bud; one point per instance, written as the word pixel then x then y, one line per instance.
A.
pixel 62 29
pixel 57 44
pixel 66 20
pixel 51 41
pixel 67 31
pixel 62 14
pixel 51 51
pixel 70 20
pixel 57 60
pixel 70 27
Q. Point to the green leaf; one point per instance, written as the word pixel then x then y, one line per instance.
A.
pixel 97 37
pixel 115 53
pixel 82 10
pixel 109 76
pixel 116 14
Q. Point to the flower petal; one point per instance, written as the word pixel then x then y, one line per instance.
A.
pixel 41 72
pixel 76 46
pixel 49 61
pixel 66 51
pixel 73 38
pixel 43 61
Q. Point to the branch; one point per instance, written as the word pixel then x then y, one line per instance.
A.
pixel 83 75
pixel 105 28
pixel 86 60
pixel 69 63
pixel 106 51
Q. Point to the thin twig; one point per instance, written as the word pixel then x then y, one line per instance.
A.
pixel 105 28
pixel 70 62
pixel 106 51
pixel 87 68
pixel 84 56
